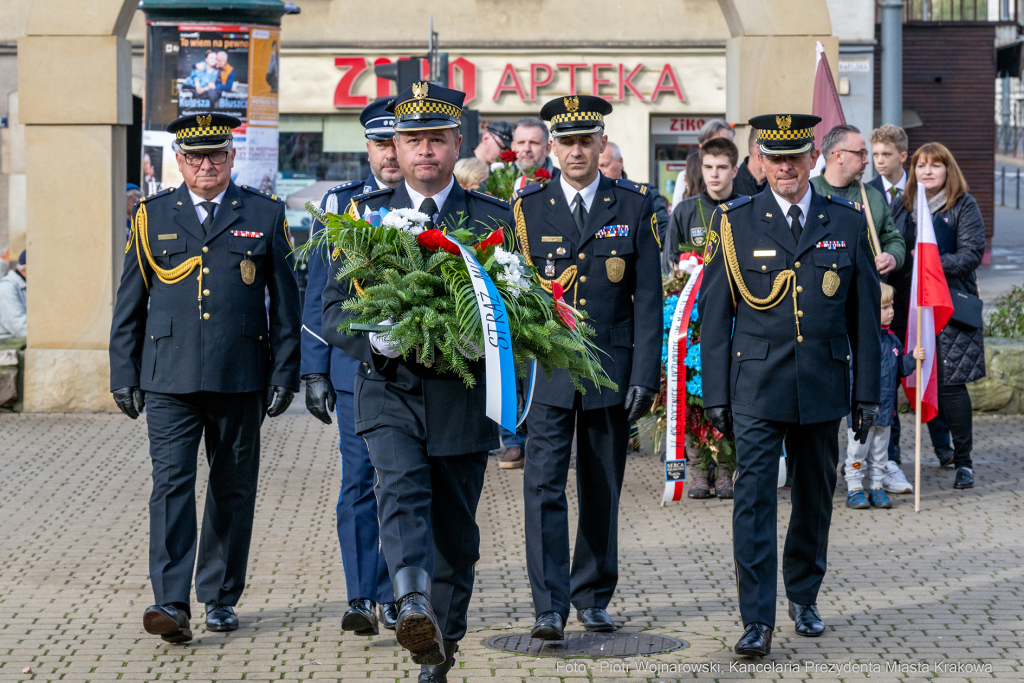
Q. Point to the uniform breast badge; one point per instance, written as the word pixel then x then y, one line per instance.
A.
pixel 249 271
pixel 616 268
pixel 549 269
pixel 830 283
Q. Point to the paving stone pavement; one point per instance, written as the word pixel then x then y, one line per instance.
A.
pixel 944 585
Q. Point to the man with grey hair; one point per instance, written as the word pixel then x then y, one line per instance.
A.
pixel 846 157
pixel 532 142
pixel 714 128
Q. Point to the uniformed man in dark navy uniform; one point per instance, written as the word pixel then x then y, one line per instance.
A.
pixel 193 339
pixel 427 433
pixel 789 309
pixel 329 374
pixel 598 238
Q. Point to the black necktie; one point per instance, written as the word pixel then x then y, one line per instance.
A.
pixel 579 214
pixel 429 207
pixel 208 221
pixel 794 214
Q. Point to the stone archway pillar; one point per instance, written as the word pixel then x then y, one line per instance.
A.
pixel 74 78
pixel 770 58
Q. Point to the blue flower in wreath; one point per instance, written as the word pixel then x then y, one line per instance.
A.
pixel 694 315
pixel 669 310
pixel 693 387
pixel 664 349
pixel 693 358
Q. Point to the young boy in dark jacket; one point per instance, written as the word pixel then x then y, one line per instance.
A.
pixel 874 454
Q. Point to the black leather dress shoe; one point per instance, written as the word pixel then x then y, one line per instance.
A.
pixel 168 622
pixel 964 478
pixel 549 626
pixel 221 617
pixel 361 618
pixel 417 631
pixel 596 620
pixel 388 615
pixel 756 641
pixel 808 621
pixel 438 673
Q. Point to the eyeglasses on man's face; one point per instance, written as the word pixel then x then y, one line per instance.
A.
pixel 862 153
pixel 196 159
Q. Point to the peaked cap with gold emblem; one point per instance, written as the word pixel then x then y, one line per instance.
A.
pixel 427 106
pixel 576 115
pixel 203 132
pixel 785 134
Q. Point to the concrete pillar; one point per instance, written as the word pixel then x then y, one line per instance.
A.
pixel 74 77
pixel 770 58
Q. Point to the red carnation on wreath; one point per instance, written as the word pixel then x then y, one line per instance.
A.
pixel 508 156
pixel 435 239
pixel 542 174
pixel 495 239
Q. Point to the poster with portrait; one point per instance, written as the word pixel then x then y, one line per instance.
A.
pixel 213 70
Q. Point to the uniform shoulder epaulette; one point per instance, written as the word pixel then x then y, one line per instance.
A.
pixel 639 188
pixel 527 189
pixel 366 195
pixel 161 193
pixel 725 207
pixel 268 195
pixel 488 198
pixel 344 186
pixel 843 201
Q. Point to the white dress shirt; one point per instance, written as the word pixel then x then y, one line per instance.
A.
pixel 438 198
pixel 200 211
pixel 588 193
pixel 804 204
pixel 901 186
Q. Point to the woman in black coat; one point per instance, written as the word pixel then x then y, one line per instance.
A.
pixel 960 235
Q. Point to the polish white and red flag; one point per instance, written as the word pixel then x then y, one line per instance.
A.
pixel 929 293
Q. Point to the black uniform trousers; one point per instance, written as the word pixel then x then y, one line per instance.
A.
pixel 812 455
pixel 230 424
pixel 427 507
pixel 602 441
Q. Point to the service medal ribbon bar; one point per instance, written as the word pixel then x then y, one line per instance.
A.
pixel 247 233
pixel 831 245
pixel 612 231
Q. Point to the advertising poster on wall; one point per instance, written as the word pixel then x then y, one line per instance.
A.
pixel 199 68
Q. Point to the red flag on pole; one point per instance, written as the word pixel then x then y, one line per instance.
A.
pixel 930 293
pixel 826 103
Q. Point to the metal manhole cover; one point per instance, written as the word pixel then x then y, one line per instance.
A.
pixel 585 644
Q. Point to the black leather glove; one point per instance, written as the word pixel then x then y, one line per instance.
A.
pixel 320 396
pixel 278 400
pixel 639 401
pixel 130 400
pixel 864 415
pixel 720 418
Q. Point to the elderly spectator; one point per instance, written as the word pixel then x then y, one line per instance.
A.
pixel 611 166
pixel 846 157
pixel 13 316
pixel 750 179
pixel 532 142
pixel 960 236
pixel 689 183
pixel 471 173
pixel 496 138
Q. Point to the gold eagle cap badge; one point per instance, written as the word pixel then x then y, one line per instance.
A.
pixel 784 122
pixel 572 104
pixel 419 90
pixel 204 121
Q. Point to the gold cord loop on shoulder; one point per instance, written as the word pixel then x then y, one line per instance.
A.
pixel 784 281
pixel 167 276
pixel 568 275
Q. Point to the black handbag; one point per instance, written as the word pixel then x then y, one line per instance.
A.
pixel 966 308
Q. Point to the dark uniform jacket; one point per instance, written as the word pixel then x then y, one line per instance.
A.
pixel 319 357
pixel 165 338
pixel 689 224
pixel 454 416
pixel 762 369
pixel 617 284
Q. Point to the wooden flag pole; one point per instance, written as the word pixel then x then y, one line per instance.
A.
pixel 917 422
pixel 871 221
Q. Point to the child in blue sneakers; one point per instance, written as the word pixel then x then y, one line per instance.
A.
pixel 875 453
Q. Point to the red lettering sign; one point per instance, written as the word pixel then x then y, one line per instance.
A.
pixel 537 82
pixel 510 76
pixel 383 84
pixel 572 74
pixel 596 81
pixel 467 83
pixel 627 82
pixel 672 86
pixel 343 96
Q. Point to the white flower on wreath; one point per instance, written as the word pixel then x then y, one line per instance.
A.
pixel 497 166
pixel 406 220
pixel 512 273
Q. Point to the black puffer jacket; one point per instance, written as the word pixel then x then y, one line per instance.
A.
pixel 960 234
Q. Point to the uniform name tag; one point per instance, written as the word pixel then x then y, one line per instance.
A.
pixel 764 252
pixel 612 231
pixel 831 245
pixel 547 238
pixel 247 233
pixel 171 236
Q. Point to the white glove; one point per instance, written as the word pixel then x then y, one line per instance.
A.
pixel 382 346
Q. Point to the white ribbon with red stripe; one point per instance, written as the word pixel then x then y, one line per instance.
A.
pixel 675 371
